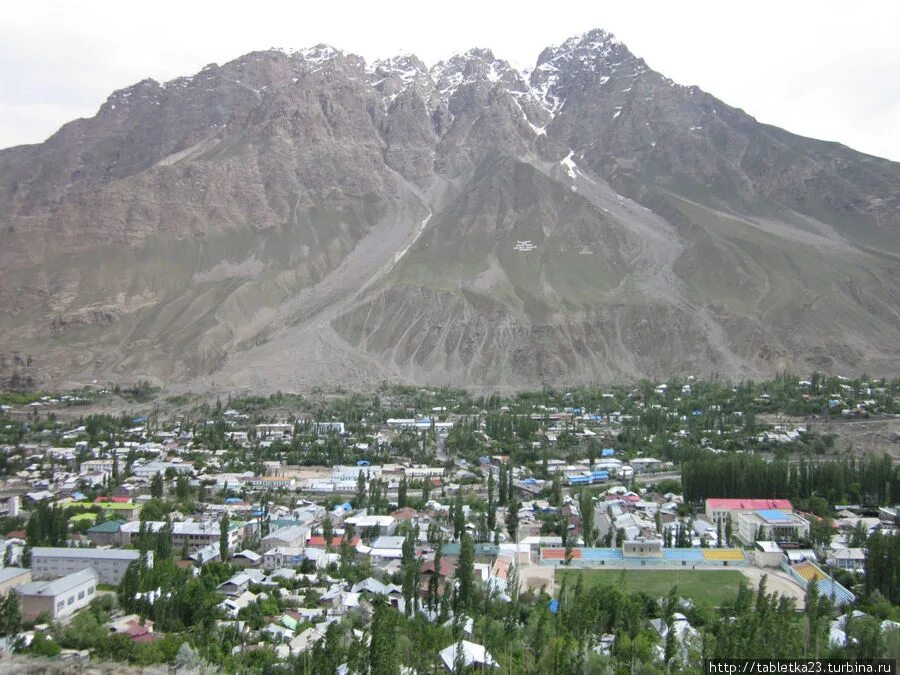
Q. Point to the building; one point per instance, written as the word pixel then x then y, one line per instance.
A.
pixel 642 548
pixel 771 525
pixel 329 427
pixel 121 510
pixel 58 598
pixel 103 465
pixel 645 464
pixel 718 510
pixel 109 564
pixel 274 432
pixel 351 473
pixel 288 537
pixel 473 656
pixel 269 482
pixel 847 559
pixel 421 471
pixel 150 469
pixel 191 535
pixel 767 554
pixel 283 556
pixel 105 533
pixel 384 524
pixel 13 577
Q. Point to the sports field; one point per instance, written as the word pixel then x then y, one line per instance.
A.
pixel 708 587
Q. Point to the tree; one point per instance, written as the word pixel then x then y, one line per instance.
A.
pixel 502 496
pixel 360 500
pixel 586 506
pixel 164 541
pixel 435 581
pixel 224 526
pixel 182 488
pixel 10 614
pixel 327 533
pixel 7 556
pixel 401 493
pixel 346 548
pixel 459 516
pixel 820 532
pixel 409 570
pixel 157 486
pixel 512 519
pixel 465 573
pixel 491 506
pixel 383 658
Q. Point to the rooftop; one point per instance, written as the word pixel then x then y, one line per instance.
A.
pixel 58 586
pixel 748 504
pixel 95 553
pixel 773 516
pixel 9 573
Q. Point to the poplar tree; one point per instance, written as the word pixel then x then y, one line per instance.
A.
pixel 512 519
pixel 383 658
pixel 491 506
pixel 223 538
pixel 401 493
pixel 586 506
pixel 465 574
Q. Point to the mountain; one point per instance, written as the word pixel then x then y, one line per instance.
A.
pixel 293 219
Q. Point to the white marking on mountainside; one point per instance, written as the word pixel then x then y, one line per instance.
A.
pixel 418 233
pixel 567 162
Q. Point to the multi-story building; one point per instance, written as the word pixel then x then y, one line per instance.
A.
pixel 719 510
pixel 58 598
pixel 123 510
pixel 104 465
pixel 771 525
pixel 192 535
pixel 340 473
pixel 274 432
pixel 13 577
pixel 292 536
pixel 110 564
pixel 269 482
pixel 150 469
pixel 283 556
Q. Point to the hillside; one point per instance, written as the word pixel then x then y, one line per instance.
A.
pixel 291 219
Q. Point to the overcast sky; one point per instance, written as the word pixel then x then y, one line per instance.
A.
pixel 819 68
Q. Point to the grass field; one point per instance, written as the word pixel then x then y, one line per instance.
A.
pixel 704 587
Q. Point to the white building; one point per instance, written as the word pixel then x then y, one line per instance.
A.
pixel 110 564
pixel 269 482
pixel 272 432
pixel 150 469
pixel 104 464
pixel 292 536
pixel 341 473
pixel 385 524
pixel 193 535
pixel 283 556
pixel 58 598
pixel 771 525
pixel 422 471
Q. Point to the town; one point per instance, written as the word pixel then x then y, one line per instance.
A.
pixel 412 530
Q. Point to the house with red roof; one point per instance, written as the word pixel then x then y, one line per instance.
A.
pixel 719 510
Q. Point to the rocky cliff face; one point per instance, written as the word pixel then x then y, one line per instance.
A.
pixel 292 219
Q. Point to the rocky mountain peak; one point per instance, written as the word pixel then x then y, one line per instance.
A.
pixel 475 66
pixel 262 220
pixel 597 53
